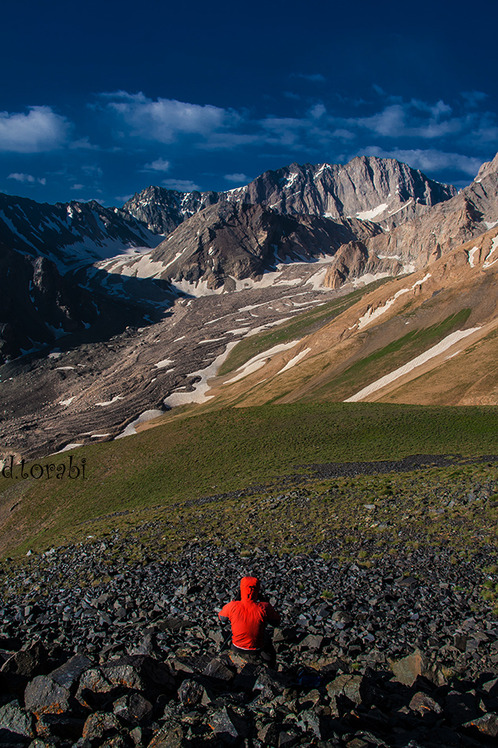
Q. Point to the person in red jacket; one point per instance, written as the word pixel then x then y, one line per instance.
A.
pixel 248 618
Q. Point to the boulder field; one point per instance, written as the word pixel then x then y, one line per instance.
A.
pixel 110 644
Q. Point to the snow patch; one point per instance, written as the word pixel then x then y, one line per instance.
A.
pixel 68 401
pixel 196 289
pixel 369 215
pixel 143 268
pixel 488 261
pixel 164 363
pixel 320 171
pixel 199 393
pixel 316 280
pixel 255 330
pixel 398 210
pixel 372 314
pixel 256 362
pixel 472 253
pixel 295 360
pixel 290 180
pixel 364 280
pixel 111 402
pixel 68 447
pixel 440 347
pixel 147 415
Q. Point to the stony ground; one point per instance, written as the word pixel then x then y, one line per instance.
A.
pixel 101 650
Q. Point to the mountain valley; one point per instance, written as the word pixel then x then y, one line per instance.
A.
pixel 110 342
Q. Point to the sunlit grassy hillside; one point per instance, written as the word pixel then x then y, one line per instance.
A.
pixel 219 452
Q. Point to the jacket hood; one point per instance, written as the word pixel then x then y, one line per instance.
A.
pixel 249 588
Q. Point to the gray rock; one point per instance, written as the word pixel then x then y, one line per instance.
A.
pixel 138 672
pixel 169 736
pixel 45 696
pixel 191 692
pixel 16 720
pixel 133 708
pixel 218 670
pixel 227 726
pixel 69 673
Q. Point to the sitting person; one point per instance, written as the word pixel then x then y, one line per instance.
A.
pixel 248 618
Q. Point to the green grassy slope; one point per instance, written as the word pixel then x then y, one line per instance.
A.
pixel 301 325
pixel 389 358
pixel 222 451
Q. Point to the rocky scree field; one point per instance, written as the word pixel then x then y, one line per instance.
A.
pixel 386 575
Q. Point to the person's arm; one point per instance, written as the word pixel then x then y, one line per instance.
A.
pixel 224 614
pixel 272 616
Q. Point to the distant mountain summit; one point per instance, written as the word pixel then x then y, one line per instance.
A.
pixel 87 270
pixel 367 188
pixel 69 234
pixel 163 210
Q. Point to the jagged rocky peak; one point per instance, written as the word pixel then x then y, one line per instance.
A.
pixel 236 241
pixel 162 210
pixel 488 168
pixel 69 234
pixel 469 213
pixel 367 188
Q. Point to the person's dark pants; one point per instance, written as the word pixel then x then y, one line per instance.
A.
pixel 266 654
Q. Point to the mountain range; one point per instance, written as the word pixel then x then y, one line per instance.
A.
pixel 105 288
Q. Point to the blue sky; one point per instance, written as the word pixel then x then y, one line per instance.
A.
pixel 101 99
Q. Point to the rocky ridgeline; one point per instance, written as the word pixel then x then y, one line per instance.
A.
pixel 104 645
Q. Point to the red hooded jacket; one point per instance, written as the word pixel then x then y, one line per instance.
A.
pixel 248 616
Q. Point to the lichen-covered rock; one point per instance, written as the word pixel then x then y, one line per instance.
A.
pixel 100 725
pixel 45 696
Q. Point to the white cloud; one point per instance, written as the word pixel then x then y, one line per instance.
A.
pixel 27 178
pixel 237 178
pixel 317 111
pixel 41 129
pixel 84 144
pixel 164 120
pixel 160 164
pixel 183 185
pixel 218 141
pixel 413 119
pixel 430 121
pixel 428 160
pixel 343 134
pixel 78 187
pixel 404 129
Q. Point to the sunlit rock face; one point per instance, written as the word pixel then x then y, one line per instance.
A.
pixel 367 188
